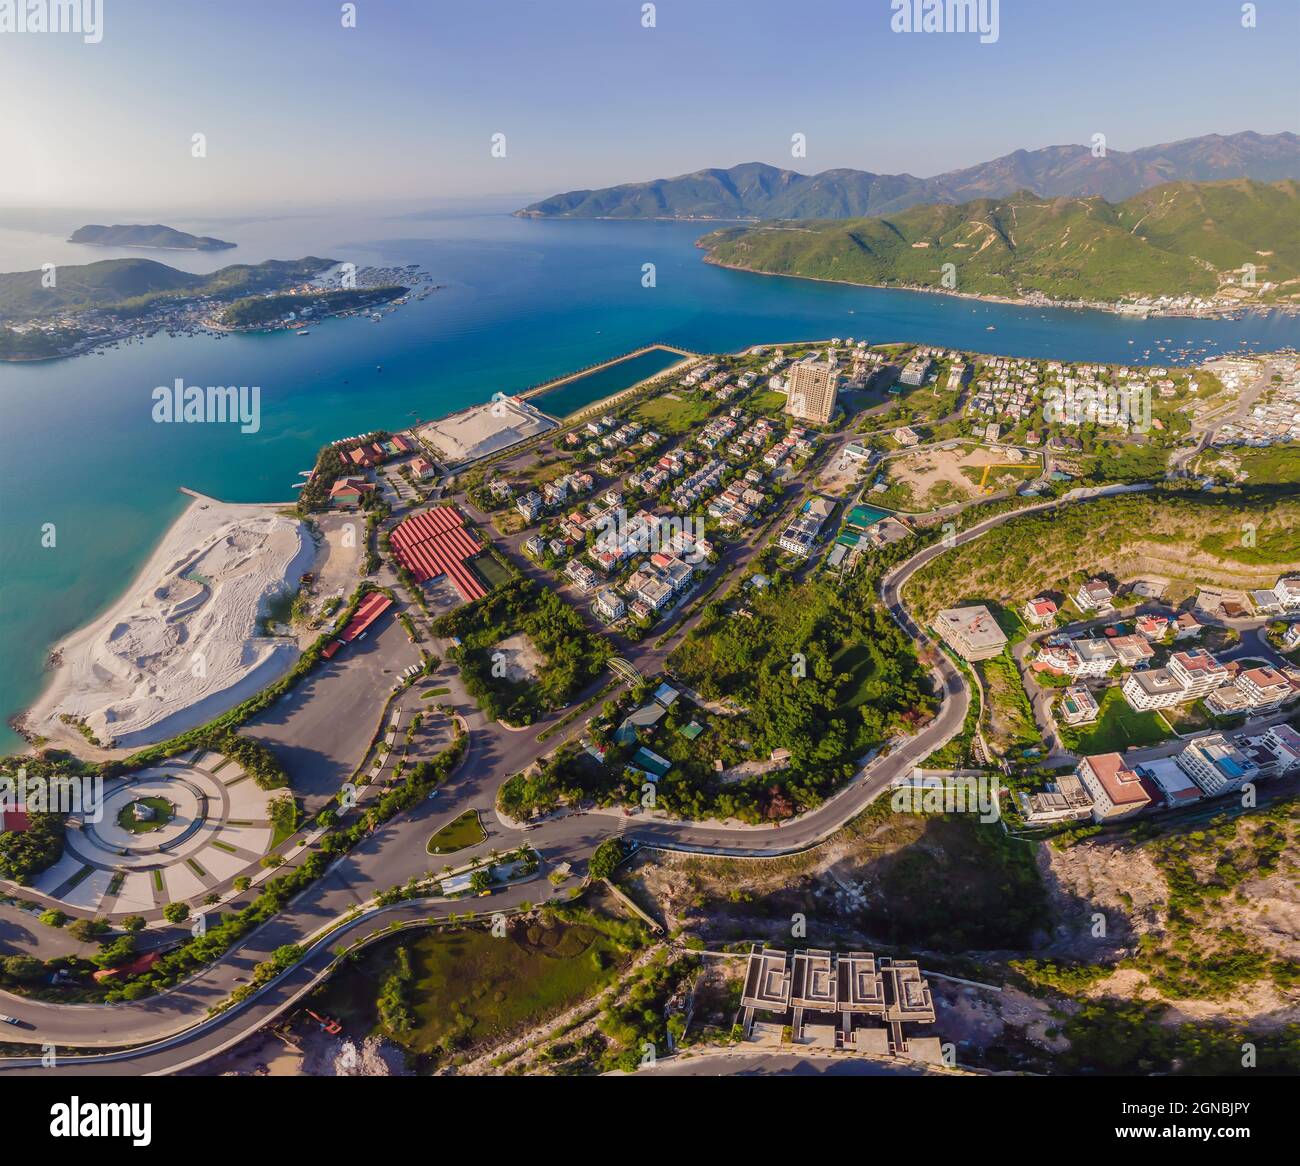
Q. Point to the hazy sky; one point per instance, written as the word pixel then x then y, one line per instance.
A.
pixel 296 108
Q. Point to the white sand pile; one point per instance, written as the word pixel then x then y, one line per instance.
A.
pixel 183 644
pixel 483 429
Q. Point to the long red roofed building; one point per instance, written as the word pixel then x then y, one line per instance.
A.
pixel 435 542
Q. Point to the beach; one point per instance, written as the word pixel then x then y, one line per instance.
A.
pixel 184 643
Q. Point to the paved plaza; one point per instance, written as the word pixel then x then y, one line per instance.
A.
pixel 206 822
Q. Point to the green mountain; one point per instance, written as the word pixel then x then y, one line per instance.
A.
pixel 1176 239
pixel 123 235
pixel 130 286
pixel 755 190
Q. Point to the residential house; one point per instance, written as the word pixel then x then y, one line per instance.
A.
pixel 1039 612
pixel 1197 671
pixel 608 604
pixel 1094 595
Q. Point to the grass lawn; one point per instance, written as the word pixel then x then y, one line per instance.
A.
pixel 464 831
pixel 769 401
pixel 669 416
pixel 1117 727
pixel 162 814
pixel 855 660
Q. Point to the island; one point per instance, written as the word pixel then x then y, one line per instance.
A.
pixel 139 235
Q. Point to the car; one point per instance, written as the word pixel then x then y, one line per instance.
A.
pixel 8 1019
pixel 432 794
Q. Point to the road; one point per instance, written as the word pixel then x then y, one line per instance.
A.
pixel 172 1023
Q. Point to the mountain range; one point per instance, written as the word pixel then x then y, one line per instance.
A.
pixel 1176 239
pixel 755 190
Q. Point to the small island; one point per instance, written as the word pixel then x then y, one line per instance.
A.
pixel 154 236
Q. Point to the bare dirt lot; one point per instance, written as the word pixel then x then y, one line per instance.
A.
pixel 935 477
pixel 519 659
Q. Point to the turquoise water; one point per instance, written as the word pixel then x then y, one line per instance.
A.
pixel 524 302
pixel 596 386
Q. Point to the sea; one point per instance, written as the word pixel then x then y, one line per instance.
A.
pixel 90 480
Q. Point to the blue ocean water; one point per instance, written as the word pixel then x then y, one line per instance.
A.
pixel 523 301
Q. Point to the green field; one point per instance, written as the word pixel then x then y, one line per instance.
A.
pixel 1278 466
pixel 493 573
pixel 468 986
pixel 1117 727
pixel 768 401
pixel 673 416
pixel 464 831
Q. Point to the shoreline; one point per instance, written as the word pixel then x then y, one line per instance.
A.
pixel 81 651
pixel 1113 309
pixel 57 655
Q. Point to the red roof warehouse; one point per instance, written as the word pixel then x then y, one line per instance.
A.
pixel 436 543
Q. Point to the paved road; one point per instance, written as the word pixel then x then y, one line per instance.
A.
pixel 396 852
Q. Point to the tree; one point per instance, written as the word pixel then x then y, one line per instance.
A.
pixel 480 881
pixel 133 923
pixel 22 969
pixel 176 912
pixel 85 930
pixel 606 858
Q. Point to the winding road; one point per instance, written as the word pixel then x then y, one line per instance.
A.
pixel 172 1031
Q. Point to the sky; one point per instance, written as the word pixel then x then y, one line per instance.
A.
pixel 296 109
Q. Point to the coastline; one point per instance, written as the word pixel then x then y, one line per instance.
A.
pixel 1115 309
pixel 83 653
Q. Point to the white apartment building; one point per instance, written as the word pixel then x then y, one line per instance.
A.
pixel 1216 765
pixel 1157 688
pixel 1197 671
pixel 1094 595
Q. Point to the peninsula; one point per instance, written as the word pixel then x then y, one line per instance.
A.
pixel 1198 248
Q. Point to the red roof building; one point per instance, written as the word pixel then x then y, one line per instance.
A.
pixel 435 542
pixel 370 609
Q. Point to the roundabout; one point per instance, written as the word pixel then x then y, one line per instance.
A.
pixel 178 832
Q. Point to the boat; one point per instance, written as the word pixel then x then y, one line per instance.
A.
pixel 303 332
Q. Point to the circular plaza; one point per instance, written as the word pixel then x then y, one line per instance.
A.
pixel 177 832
